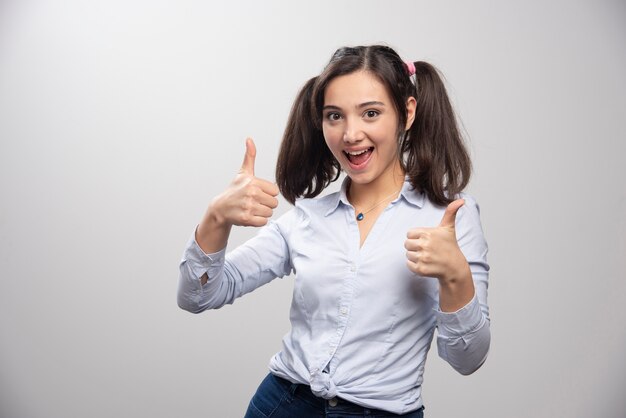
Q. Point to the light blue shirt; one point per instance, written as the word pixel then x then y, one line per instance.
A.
pixel 361 321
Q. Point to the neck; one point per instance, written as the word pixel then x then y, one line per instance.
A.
pixel 391 181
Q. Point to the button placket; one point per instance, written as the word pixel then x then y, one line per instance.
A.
pixel 345 300
pixel 346 292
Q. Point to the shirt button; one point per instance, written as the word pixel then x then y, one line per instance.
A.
pixel 333 402
pixel 344 311
pixel 352 268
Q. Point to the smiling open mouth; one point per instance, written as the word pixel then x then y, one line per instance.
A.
pixel 359 157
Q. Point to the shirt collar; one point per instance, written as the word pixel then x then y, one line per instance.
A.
pixel 412 196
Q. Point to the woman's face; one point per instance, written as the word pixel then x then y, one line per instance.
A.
pixel 360 126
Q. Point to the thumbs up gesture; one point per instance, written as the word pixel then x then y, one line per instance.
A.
pixel 248 201
pixel 434 252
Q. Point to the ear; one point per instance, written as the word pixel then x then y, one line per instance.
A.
pixel 411 103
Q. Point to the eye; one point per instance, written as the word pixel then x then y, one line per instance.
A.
pixel 333 116
pixel 371 113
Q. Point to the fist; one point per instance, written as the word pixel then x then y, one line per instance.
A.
pixel 248 201
pixel 434 252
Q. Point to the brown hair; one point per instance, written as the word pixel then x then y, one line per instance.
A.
pixel 432 151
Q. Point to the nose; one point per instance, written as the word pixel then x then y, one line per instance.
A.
pixel 353 132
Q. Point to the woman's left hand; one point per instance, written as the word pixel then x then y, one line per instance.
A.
pixel 434 252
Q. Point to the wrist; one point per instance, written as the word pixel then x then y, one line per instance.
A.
pixel 458 275
pixel 214 216
pixel 457 290
pixel 213 231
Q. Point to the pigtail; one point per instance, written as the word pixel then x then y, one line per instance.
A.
pixel 436 159
pixel 305 165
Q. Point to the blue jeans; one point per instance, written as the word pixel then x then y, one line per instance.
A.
pixel 279 398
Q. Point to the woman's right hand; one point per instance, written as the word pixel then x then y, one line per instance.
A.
pixel 248 201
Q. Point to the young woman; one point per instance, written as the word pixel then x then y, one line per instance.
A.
pixel 398 252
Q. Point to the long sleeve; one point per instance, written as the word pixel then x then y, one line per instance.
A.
pixel 232 275
pixel 464 336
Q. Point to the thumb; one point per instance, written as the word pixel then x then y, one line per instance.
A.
pixel 449 217
pixel 248 160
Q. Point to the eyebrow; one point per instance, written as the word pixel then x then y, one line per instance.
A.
pixel 362 105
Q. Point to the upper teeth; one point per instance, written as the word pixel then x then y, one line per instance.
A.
pixel 357 152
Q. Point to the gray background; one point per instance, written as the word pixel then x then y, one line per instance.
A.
pixel 119 121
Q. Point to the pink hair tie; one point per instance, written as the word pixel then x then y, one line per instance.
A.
pixel 410 66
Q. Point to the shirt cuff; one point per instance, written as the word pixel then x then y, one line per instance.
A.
pixel 199 261
pixel 462 322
